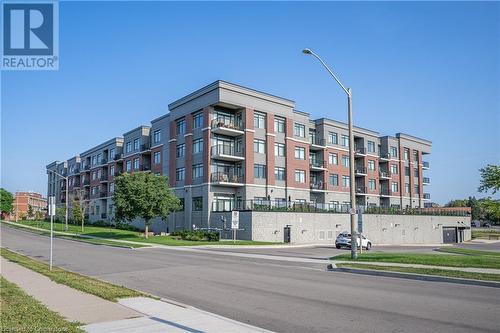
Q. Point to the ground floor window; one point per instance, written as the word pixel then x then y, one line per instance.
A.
pixel 223 203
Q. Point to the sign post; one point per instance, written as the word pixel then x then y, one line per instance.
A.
pixel 360 230
pixel 52 212
pixel 235 223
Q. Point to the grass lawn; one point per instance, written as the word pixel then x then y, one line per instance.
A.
pixel 427 271
pixel 486 234
pixel 461 258
pixel 22 313
pixel 77 281
pixel 105 232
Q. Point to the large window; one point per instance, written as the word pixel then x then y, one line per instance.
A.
pixel 112 153
pixel 259 120
pixel 345 140
pixel 128 166
pixel 279 149
pixel 372 185
pixel 197 171
pixel 279 125
pixel 415 172
pixel 371 165
pixel 333 159
pixel 334 180
pixel 180 174
pixel 417 189
pixel 279 173
pixel 407 187
pixel 136 144
pixel 345 161
pixel 299 130
pixel 300 153
pixel 136 163
pixel 180 150
pixel 415 155
pixel 394 169
pixel 394 151
pixel 395 187
pixel 345 181
pixel 157 157
pixel 198 120
pixel 371 146
pixel 157 136
pixel 333 138
pixel 197 204
pixel 128 147
pixel 300 176
pixel 259 171
pixel 197 146
pixel 259 146
pixel 407 154
pixel 181 126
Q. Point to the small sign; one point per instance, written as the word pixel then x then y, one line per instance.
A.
pixel 360 222
pixel 52 206
pixel 235 219
pixel 352 211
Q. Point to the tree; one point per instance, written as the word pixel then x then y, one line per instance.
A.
pixel 490 179
pixel 77 213
pixel 143 195
pixel 31 214
pixel 477 213
pixel 491 209
pixel 60 213
pixel 6 200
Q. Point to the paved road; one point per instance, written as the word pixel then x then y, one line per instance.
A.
pixel 277 295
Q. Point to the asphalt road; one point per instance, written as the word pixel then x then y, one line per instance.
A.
pixel 277 295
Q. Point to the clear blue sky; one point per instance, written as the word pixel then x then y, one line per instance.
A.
pixel 426 69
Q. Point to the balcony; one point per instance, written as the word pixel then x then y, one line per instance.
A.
pixel 425 165
pixel 226 179
pixel 227 127
pixel 145 167
pixel 360 171
pixel 104 178
pixel 316 143
pixel 426 180
pixel 427 196
pixel 117 173
pixel 87 167
pixel 384 174
pixel 317 165
pixel 118 157
pixel 384 157
pixel 86 182
pixel 76 184
pixel 103 194
pixel 145 147
pixel 386 192
pixel 104 160
pixel 361 190
pixel 360 151
pixel 320 186
pixel 226 153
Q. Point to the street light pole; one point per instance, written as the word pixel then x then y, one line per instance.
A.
pixel 67 197
pixel 352 180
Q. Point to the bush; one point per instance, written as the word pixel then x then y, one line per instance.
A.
pixel 196 235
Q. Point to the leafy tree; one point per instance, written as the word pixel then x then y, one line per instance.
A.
pixel 491 209
pixel 77 212
pixel 490 179
pixel 60 213
pixel 6 200
pixel 143 195
pixel 31 214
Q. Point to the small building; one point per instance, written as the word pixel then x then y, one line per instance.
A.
pixel 22 202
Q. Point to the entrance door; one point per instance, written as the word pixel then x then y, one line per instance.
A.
pixel 286 233
pixel 449 235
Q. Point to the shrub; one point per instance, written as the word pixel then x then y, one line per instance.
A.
pixel 196 235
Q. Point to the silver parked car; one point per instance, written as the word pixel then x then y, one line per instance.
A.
pixel 344 240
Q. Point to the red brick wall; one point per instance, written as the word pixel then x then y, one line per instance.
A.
pixel 248 145
pixel 270 139
pixel 189 150
pixel 171 161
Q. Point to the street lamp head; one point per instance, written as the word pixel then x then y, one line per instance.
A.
pixel 307 51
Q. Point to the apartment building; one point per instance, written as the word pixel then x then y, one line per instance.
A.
pixel 22 203
pixel 226 147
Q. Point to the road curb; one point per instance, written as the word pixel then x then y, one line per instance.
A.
pixel 412 276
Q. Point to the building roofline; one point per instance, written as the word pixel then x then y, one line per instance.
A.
pixel 101 145
pixel 135 129
pixel 413 138
pixel 160 118
pixel 336 122
pixel 220 84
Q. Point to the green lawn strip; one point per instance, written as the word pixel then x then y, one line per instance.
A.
pixel 77 281
pixel 478 261
pixel 22 313
pixel 486 234
pixel 426 271
pixel 470 252
pixel 118 234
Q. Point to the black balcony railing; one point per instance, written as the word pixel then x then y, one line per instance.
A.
pixel 145 146
pixel 104 177
pixel 225 150
pixel 317 141
pixel 385 156
pixel 226 177
pixel 145 167
pixel 359 170
pixel 86 182
pixel 360 151
pixel 386 191
pixel 385 174
pixel 87 167
pixel 426 180
pixel 226 123
pixel 104 160
pixel 317 164
pixel 76 184
pixel 117 157
pixel 361 189
pixel 318 186
pixel 103 194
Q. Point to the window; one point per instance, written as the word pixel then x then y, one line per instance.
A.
pixel 197 204
pixel 345 181
pixel 300 153
pixel 334 180
pixel 94 175
pixel 394 151
pixel 333 159
pixel 407 187
pixel 279 125
pixel 128 166
pixel 345 161
pixel 111 187
pixel 415 172
pixel 333 138
pixel 128 147
pixel 259 120
pixel 198 120
pixel 407 154
pixel 279 149
pixel 157 157
pixel 371 146
pixel 197 146
pixel 371 165
pixel 300 176
pixel 112 170
pixel 394 169
pixel 180 150
pixel 94 160
pixel 112 153
pixel 197 171
pixel 259 171
pixel 345 140
pixel 372 185
pixel 180 174
pixel 259 146
pixel 136 144
pixel 181 203
pixel 415 155
pixel 417 189
pixel 395 187
pixel 136 163
pixel 299 130
pixel 279 173
pixel 181 126
pixel 157 136
pixel 407 171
